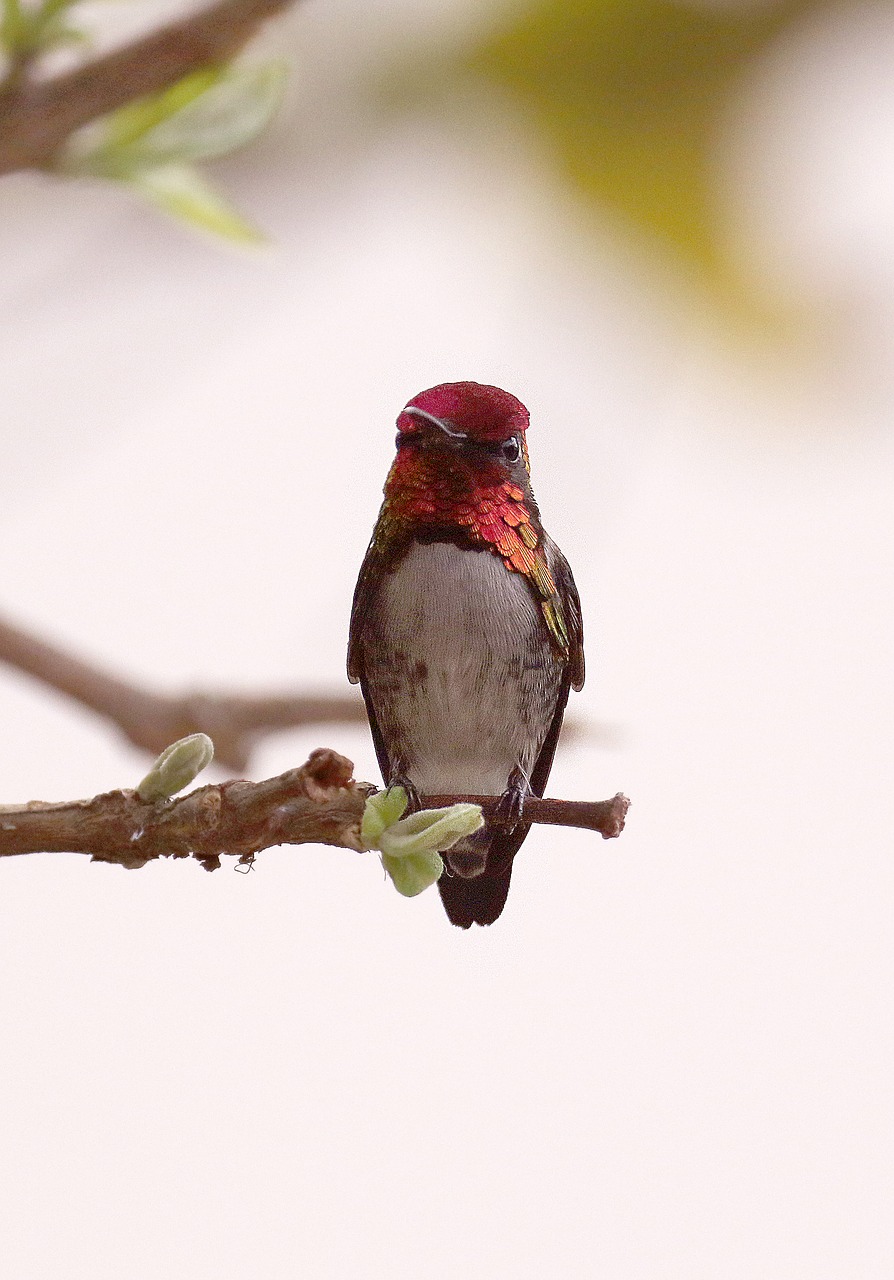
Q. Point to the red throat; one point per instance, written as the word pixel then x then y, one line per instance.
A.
pixel 480 504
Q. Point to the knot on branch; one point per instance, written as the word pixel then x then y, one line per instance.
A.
pixel 325 771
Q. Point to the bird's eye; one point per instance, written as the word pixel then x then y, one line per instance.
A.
pixel 510 450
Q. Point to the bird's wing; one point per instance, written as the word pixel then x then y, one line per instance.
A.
pixel 568 605
pixel 370 575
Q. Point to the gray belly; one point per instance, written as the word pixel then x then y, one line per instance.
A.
pixel 459 670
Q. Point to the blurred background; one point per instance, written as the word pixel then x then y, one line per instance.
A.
pixel 669 229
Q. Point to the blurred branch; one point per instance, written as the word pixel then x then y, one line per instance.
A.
pixel 152 720
pixel 318 803
pixel 38 117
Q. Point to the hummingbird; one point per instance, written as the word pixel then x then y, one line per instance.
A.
pixel 466 632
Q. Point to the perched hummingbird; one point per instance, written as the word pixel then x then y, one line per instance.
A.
pixel 466 629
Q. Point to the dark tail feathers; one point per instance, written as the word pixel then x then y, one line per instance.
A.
pixel 476 901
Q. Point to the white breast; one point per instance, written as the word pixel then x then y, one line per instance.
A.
pixel 464 682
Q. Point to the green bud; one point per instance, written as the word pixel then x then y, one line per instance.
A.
pixel 176 767
pixel 410 847
pixel 381 811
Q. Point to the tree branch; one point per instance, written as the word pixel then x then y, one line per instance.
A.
pixel 318 803
pixel 38 117
pixel 153 720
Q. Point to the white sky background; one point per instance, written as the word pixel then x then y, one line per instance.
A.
pixel 672 1055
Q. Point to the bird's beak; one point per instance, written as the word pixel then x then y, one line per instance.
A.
pixel 448 430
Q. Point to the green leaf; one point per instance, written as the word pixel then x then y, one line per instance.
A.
pixel 430 830
pixel 182 192
pixel 150 145
pixel 13 27
pixel 412 875
pixel 25 32
pixel 132 123
pixel 228 114
pixel 206 114
pixel 58 33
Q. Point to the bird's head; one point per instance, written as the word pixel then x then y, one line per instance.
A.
pixel 479 424
pixel 461 473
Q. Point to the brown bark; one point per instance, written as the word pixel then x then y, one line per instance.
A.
pixel 318 803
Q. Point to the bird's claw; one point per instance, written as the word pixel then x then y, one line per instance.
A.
pixel 511 805
pixel 399 779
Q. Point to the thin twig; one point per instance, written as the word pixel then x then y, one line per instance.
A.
pixel 605 816
pixel 38 117
pixel 152 720
pixel 318 803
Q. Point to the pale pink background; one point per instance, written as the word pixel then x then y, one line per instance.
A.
pixel 671 1059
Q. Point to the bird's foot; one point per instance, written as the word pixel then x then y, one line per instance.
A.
pixel 398 778
pixel 511 805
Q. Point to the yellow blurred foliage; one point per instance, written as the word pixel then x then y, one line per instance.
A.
pixel 630 96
